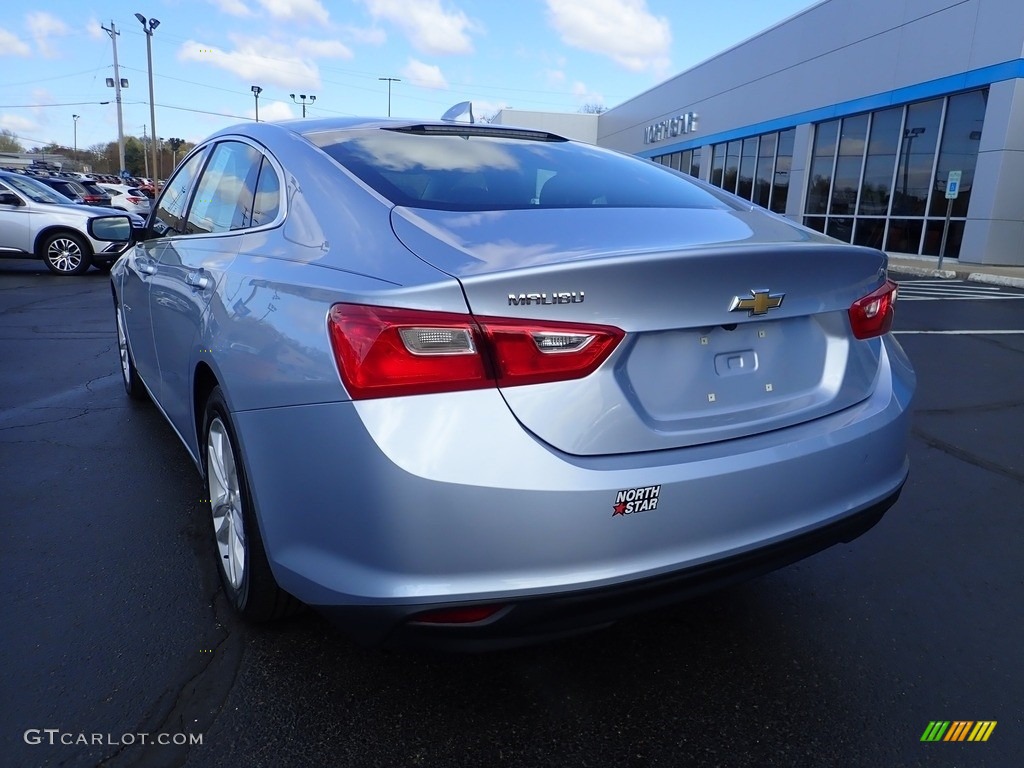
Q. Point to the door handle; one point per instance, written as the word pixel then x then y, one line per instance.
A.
pixel 198 280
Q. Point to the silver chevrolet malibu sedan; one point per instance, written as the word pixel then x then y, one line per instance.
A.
pixel 467 385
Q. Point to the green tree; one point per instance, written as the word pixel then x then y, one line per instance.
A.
pixel 9 141
pixel 134 157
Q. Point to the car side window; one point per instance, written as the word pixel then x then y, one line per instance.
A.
pixel 267 204
pixel 170 209
pixel 225 193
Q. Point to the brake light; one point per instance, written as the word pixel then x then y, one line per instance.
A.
pixel 387 352
pixel 136 200
pixel 872 315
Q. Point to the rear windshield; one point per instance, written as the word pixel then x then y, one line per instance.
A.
pixel 473 171
pixel 35 190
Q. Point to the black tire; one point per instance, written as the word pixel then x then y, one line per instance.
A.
pixel 66 253
pixel 133 385
pixel 249 585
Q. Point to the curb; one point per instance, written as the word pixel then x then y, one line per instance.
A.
pixel 983 277
pixel 947 274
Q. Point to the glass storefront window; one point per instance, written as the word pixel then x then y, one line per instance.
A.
pixel 783 163
pixel 961 136
pixel 900 173
pixel 718 165
pixel 825 135
pixel 917 155
pixel 765 167
pixel 878 169
pixel 852 139
pixel 695 162
pixel 732 165
pixel 748 166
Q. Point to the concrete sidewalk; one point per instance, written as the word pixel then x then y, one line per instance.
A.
pixel 952 269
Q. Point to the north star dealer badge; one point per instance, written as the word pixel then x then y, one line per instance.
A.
pixel 634 500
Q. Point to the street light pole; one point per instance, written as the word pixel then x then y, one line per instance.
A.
pixel 75 118
pixel 390 81
pixel 148 25
pixel 303 101
pixel 256 91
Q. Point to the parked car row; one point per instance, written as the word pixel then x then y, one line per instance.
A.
pixel 38 221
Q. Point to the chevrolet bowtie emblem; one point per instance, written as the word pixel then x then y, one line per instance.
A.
pixel 759 302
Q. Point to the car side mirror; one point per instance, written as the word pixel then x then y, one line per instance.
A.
pixel 9 198
pixel 111 229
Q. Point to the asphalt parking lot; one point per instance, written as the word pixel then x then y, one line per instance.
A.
pixel 114 625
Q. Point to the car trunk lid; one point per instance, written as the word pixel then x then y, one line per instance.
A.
pixel 736 321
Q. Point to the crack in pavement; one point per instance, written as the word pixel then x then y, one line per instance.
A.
pixel 966 456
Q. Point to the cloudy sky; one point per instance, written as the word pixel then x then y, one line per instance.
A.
pixel 552 55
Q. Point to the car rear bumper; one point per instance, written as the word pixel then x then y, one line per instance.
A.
pixel 379 510
pixel 546 618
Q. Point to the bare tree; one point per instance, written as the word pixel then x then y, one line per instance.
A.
pixel 9 141
pixel 593 109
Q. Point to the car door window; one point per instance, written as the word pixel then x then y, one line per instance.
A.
pixel 225 193
pixel 170 209
pixel 268 196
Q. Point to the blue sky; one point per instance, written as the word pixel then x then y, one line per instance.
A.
pixel 553 55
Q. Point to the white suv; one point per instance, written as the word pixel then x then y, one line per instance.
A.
pixel 39 222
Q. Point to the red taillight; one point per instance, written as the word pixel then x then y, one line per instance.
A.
pixel 136 200
pixel 872 315
pixel 386 352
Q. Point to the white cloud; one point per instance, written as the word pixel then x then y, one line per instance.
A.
pixel 268 61
pixel 44 27
pixel 365 35
pixel 296 10
pixel 12 45
pixel 586 96
pixel 232 7
pixel 424 75
pixel 95 29
pixel 623 30
pixel 429 27
pixel 18 124
pixel 273 110
pixel 554 76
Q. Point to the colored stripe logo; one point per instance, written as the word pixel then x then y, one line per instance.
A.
pixel 958 730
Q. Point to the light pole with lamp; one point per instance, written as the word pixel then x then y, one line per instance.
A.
pixel 303 101
pixel 148 25
pixel 390 81
pixel 75 118
pixel 256 91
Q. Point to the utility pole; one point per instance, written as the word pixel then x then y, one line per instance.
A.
pixel 75 118
pixel 390 81
pixel 117 95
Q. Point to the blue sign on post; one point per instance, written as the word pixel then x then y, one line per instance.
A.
pixel 953 185
pixel 125 175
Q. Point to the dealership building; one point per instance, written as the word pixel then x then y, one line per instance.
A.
pixel 887 123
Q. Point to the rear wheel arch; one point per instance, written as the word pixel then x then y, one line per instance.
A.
pixel 204 381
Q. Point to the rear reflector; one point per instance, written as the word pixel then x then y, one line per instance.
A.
pixel 387 352
pixel 468 615
pixel 872 315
